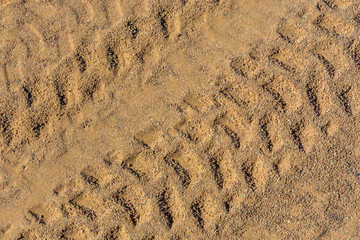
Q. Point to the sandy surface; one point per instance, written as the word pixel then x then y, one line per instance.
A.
pixel 179 119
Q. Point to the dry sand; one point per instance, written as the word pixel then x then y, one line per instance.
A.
pixel 179 119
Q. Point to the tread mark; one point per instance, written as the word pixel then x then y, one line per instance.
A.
pixel 236 66
pixel 265 133
pixel 140 56
pixel 37 126
pixel 60 92
pixel 247 170
pixel 196 208
pixel 311 94
pixel 5 128
pixel 283 37
pixel 163 203
pixel 280 63
pixel 215 168
pixel 86 211
pixel 295 133
pixel 354 51
pixel 357 18
pixel 234 137
pixel 279 100
pixel 227 205
pixel 329 67
pixel 242 104
pixel 243 66
pixel 113 59
pixel 180 171
pixel 343 96
pixel 112 234
pixel 89 179
pixel 148 237
pixel 128 206
pixel 76 15
pixel 38 218
pixel 81 62
pixel 127 165
pixel 90 88
pixel 330 4
pixel 187 131
pixel 163 23
pixel 28 96
pixel 133 29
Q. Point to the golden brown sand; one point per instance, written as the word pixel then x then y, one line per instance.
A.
pixel 179 119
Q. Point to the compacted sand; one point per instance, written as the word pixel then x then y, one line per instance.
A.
pixel 179 119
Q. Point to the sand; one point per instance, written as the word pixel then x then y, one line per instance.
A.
pixel 179 119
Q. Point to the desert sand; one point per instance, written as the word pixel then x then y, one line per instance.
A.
pixel 179 119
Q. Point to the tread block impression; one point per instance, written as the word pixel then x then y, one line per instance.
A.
pixel 133 216
pixel 285 93
pixel 334 25
pixel 173 161
pixel 141 165
pixel 149 137
pixel 256 173
pixel 245 66
pixel 195 130
pixel 201 103
pixel 284 57
pixel 135 204
pixel 189 168
pixel 89 204
pixel 319 94
pixel 290 32
pixel 96 177
pixel 42 214
pixel 304 136
pixel 260 174
pixel 163 203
